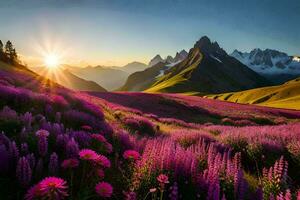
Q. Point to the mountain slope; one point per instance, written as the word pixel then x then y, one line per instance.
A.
pixel 108 77
pixel 74 82
pixel 133 67
pixel 142 80
pixel 208 69
pixel 67 79
pixel 286 95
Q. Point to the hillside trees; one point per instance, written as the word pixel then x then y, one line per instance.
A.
pixel 8 53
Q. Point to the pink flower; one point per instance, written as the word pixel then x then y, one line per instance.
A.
pixel 99 137
pixel 108 147
pixel 42 133
pixel 86 127
pixel 100 173
pixel 88 154
pixel 33 193
pixel 104 189
pixel 131 154
pixel 70 163
pixel 102 161
pixel 49 188
pixel 152 190
pixel 162 178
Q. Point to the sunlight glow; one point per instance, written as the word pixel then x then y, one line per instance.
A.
pixel 52 61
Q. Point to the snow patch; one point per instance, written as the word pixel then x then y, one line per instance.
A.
pixel 217 59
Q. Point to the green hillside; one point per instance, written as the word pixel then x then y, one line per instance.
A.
pixel 286 95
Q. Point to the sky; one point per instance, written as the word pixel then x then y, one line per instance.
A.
pixel 116 32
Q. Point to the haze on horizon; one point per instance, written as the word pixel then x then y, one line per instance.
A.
pixel 116 32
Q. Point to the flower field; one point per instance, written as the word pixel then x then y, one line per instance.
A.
pixel 59 144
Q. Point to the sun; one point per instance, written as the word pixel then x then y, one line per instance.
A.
pixel 52 61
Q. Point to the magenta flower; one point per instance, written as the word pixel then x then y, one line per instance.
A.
pixel 103 161
pixel 99 137
pixel 42 133
pixel 86 127
pixel 70 163
pixel 131 155
pixel 108 147
pixel 104 189
pixel 50 188
pixel 53 188
pixel 88 154
pixel 33 193
pixel 163 179
pixel 100 173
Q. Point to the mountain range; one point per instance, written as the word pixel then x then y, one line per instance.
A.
pixel 66 78
pixel 276 66
pixel 111 77
pixel 169 59
pixel 207 68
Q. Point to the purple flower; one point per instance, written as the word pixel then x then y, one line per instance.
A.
pixel 24 148
pixel 53 164
pixel 39 168
pixel 4 158
pixel 43 146
pixel 72 149
pixel 23 172
pixel 42 133
pixel 174 192
pixel 31 159
pixel 70 163
pixel 14 151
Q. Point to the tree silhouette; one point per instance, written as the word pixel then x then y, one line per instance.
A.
pixel 1 47
pixel 11 53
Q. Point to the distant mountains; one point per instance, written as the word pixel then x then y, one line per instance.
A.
pixel 169 59
pixel 286 95
pixel 207 68
pixel 72 81
pixel 277 66
pixel 110 78
pixel 67 79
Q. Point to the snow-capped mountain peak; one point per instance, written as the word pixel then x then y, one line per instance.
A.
pixel 268 61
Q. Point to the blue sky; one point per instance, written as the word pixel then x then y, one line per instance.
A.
pixel 115 32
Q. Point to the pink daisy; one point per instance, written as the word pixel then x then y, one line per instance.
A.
pixel 86 127
pixel 104 189
pixel 131 154
pixel 103 161
pixel 49 188
pixel 88 154
pixel 70 163
pixel 53 188
pixel 33 193
pixel 100 173
pixel 99 137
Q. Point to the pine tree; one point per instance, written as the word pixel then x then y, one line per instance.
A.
pixel 1 47
pixel 10 52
